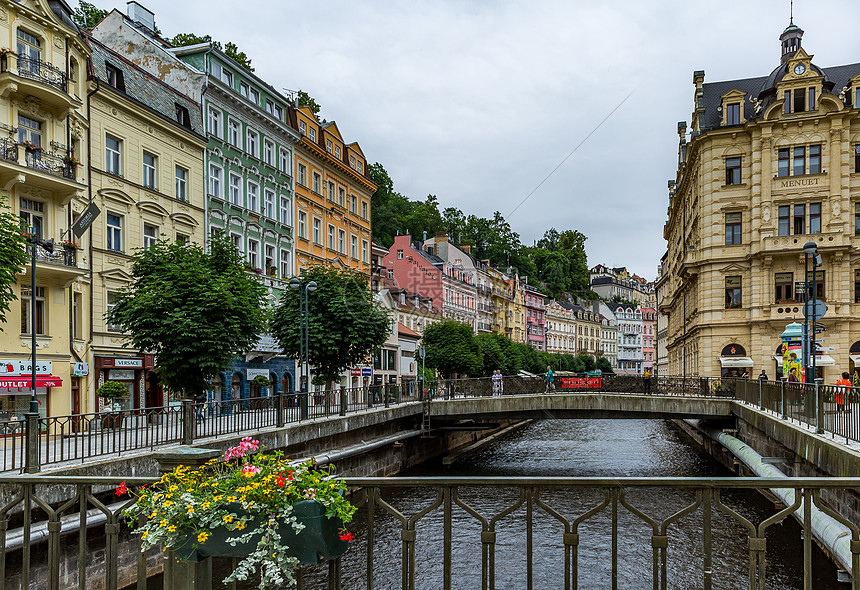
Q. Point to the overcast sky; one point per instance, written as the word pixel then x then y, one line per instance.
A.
pixel 478 101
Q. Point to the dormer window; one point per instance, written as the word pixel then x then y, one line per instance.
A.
pixel 733 114
pixel 182 116
pixel 114 77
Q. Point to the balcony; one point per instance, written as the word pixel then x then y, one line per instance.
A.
pixel 61 264
pixel 27 76
pixel 52 170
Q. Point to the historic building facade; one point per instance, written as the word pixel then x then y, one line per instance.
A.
pixel 43 166
pixel 772 163
pixel 560 328
pixel 535 312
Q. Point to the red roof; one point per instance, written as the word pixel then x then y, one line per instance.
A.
pixel 404 331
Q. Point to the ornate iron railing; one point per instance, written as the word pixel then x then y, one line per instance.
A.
pixel 49 163
pixel 63 532
pixel 62 255
pixel 36 69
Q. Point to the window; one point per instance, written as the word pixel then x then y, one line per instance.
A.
pixel 317 238
pixel 269 203
pixel 812 99
pixel 733 114
pixel 285 162
pixel 815 218
pixel 215 122
pixel 337 152
pixel 302 177
pixel 286 211
pixel 364 209
pixel 783 287
pixel 29 53
pixel 328 145
pixel 399 254
pixel 857 286
pixel 799 100
pixel 285 264
pixel 733 228
pixel 268 152
pixel 799 161
pixel 312 134
pixel 331 191
pixel 114 77
pixel 114 232
pixel 270 107
pixel 148 170
pixel 799 219
pixel 77 315
pixel 183 117
pixel 331 237
pixel 150 235
pixel 364 250
pixel 341 197
pixel 112 155
pixel 270 258
pixel 253 197
pixel 253 253
pixel 857 156
pixel 237 241
pixel 31 215
pixel 815 159
pixel 181 239
pixel 181 183
pixel 857 219
pixel 279 113
pixel 733 170
pixel 317 180
pixel 353 204
pixel 353 247
pixel 29 130
pixel 341 241
pixel 222 74
pixel 818 278
pixel 733 292
pixel 235 189
pixel 215 180
pixel 253 142
pixel 302 220
pixel 234 133
pixel 303 128
pixel 359 166
pixel 244 89
pixel 352 162
pixel 255 96
pixel 784 220
pixel 26 318
pixel 783 166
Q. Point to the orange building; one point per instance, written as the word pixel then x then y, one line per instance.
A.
pixel 332 196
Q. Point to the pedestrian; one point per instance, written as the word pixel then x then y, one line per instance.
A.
pixel 501 383
pixel 762 376
pixel 497 379
pixel 646 381
pixel 199 402
pixel 548 381
pixel 792 376
pixel 843 392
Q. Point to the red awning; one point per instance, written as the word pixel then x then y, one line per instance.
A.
pixel 41 381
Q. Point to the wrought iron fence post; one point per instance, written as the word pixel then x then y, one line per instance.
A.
pixel 188 421
pixel 387 394
pixel 31 433
pixel 303 405
pixel 343 402
pixel 819 410
pixel 279 416
pixel 782 397
pixel 760 404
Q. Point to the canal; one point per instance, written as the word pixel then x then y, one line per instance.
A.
pixel 604 448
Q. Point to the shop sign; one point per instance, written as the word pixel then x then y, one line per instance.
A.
pixel 366 372
pixel 80 369
pixel 121 374
pixel 136 363
pixel 251 373
pixel 580 382
pixel 355 372
pixel 25 368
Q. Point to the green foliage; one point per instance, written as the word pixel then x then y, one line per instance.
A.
pixel 303 99
pixel 13 256
pixel 194 310
pixel 230 48
pixel 620 299
pixel 603 364
pixel 451 348
pixel 87 16
pixel 243 60
pixel 111 389
pixel 185 39
pixel 345 326
pixel 261 381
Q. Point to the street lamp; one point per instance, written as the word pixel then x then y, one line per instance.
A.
pixel 304 351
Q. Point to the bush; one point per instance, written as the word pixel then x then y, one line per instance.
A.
pixel 111 389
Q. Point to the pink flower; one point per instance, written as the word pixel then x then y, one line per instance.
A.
pixel 250 470
pixel 310 493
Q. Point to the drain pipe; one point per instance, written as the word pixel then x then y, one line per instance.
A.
pixel 829 532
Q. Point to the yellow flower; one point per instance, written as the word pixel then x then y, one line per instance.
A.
pixel 201 538
pixel 231 498
pixel 163 523
pixel 190 509
pixel 171 529
pixel 216 498
pixel 240 525
pixel 167 504
pixel 144 535
pixel 228 518
pixel 205 505
pixel 154 514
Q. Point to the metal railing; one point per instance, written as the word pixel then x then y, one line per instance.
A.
pixel 62 255
pixel 49 163
pixel 41 71
pixel 8 149
pixel 503 523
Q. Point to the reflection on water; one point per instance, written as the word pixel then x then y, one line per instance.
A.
pixel 600 448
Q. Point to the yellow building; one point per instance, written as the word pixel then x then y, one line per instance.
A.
pixel 501 298
pixel 773 163
pixel 43 172
pixel 332 195
pixel 517 310
pixel 147 156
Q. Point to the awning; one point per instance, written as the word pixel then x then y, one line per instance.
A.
pixel 41 381
pixel 736 361
pixel 824 360
pixel 855 358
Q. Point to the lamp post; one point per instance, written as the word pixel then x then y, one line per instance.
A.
pixel 311 286
pixel 810 250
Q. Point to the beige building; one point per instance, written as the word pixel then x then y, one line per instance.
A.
pixel 772 163
pixel 147 156
pixel 560 328
pixel 43 170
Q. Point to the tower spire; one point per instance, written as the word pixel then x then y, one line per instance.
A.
pixel 790 38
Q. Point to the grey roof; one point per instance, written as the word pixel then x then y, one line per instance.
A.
pixel 431 258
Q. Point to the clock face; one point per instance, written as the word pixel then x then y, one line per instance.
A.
pixel 799 69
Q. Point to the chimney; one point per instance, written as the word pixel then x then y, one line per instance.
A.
pixel 466 248
pixel 140 16
pixel 442 245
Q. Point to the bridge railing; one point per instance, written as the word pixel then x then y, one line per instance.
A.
pixel 414 531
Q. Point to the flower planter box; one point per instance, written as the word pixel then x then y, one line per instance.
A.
pixel 319 541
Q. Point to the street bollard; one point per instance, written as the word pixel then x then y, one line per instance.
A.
pixel 31 434
pixel 189 421
pixel 343 402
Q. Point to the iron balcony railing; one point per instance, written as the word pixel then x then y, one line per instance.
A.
pixel 49 163
pixel 62 255
pixel 40 71
pixel 64 532
pixel 8 149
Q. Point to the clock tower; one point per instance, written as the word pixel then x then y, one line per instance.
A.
pixel 790 41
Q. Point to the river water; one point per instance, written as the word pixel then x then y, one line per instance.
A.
pixel 600 448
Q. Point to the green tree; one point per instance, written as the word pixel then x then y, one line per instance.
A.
pixel 303 99
pixel 451 348
pixel 230 48
pixel 603 364
pixel 87 16
pixel 185 39
pixel 196 311
pixel 345 326
pixel 13 256
pixel 240 56
pixel 390 208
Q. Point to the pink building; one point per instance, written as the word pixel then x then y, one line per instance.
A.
pixel 535 304
pixel 649 338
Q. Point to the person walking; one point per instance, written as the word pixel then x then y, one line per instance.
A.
pixel 646 381
pixel 842 399
pixel 762 376
pixel 548 381
pixel 199 403
pixel 496 382
pixel 501 383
